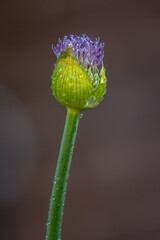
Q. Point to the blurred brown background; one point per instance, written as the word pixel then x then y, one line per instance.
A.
pixel 114 184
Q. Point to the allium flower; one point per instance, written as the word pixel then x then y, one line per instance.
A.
pixel 79 75
pixel 79 83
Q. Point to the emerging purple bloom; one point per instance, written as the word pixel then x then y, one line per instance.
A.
pixel 89 53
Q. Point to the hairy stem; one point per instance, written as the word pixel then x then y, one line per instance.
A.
pixel 56 207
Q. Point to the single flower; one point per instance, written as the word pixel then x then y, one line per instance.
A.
pixel 78 80
pixel 79 83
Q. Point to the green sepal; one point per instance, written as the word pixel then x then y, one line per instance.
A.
pixel 99 93
pixel 71 84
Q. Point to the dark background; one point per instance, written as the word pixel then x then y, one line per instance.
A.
pixel 114 185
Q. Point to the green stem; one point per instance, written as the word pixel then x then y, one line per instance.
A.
pixel 56 207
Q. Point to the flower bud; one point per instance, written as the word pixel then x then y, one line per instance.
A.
pixel 78 79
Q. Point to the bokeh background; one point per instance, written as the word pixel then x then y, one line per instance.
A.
pixel 114 185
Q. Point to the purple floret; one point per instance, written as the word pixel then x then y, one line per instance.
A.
pixel 89 53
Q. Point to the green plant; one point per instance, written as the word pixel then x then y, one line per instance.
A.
pixel 79 83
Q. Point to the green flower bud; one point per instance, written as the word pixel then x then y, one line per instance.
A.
pixel 78 79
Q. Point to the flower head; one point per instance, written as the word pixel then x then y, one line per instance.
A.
pixel 80 68
pixel 88 53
